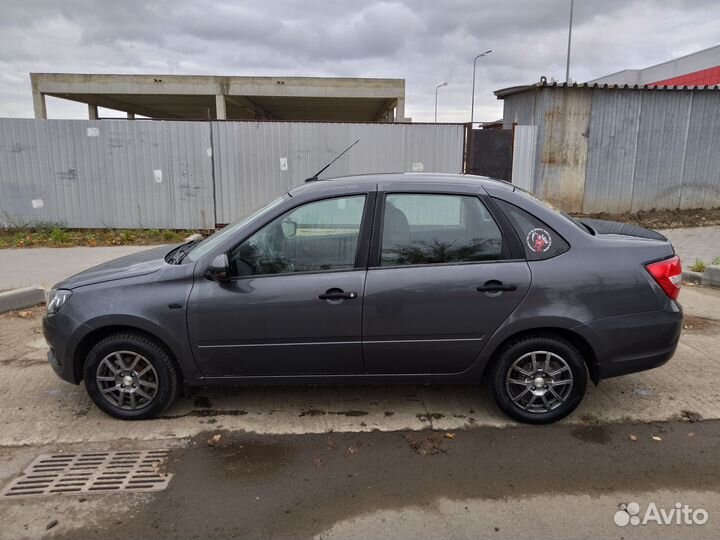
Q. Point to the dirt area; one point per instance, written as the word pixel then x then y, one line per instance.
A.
pixel 22 352
pixel 701 325
pixel 664 219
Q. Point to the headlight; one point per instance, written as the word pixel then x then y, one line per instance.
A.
pixel 57 299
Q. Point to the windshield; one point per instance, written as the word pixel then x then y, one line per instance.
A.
pixel 215 239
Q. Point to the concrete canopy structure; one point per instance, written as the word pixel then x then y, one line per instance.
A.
pixel 228 98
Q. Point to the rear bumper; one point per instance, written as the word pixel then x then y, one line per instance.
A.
pixel 632 343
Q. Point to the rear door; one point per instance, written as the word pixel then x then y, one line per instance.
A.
pixel 444 276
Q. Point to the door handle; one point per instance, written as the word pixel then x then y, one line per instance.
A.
pixel 496 286
pixel 337 294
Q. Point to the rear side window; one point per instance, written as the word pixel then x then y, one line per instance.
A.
pixel 438 229
pixel 539 241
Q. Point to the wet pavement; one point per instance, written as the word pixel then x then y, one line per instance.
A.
pixel 475 483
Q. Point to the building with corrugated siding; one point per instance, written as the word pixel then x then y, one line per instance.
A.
pixel 607 148
pixel 700 68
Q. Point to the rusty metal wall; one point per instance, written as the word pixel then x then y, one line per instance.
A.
pixel 563 119
pixel 613 141
pixel 109 173
pixel 701 168
pixel 524 155
pixel 662 137
pixel 256 161
pixel 623 150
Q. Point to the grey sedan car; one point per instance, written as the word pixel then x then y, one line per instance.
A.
pixel 388 278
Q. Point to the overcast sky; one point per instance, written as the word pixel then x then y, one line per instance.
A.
pixel 425 42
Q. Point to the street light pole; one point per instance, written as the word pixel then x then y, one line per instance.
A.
pixel 436 94
pixel 567 66
pixel 472 101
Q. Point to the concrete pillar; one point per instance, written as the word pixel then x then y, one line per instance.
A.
pixel 131 116
pixel 220 109
pixel 92 111
pixel 39 105
pixel 400 110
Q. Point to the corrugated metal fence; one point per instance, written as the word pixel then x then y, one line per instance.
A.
pixel 155 174
pixel 614 150
pixel 255 161
pixel 105 173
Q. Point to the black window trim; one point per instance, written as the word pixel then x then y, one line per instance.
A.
pixel 517 235
pixel 361 251
pixel 512 250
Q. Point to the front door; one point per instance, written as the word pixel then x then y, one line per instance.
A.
pixel 445 282
pixel 294 305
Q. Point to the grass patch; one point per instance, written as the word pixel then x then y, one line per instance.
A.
pixel 53 236
pixel 698 266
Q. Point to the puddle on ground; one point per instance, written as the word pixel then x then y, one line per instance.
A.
pixel 591 434
pixel 318 412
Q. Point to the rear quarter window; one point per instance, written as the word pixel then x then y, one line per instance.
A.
pixel 539 241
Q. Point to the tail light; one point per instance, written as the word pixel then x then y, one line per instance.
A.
pixel 668 274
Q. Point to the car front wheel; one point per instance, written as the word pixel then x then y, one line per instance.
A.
pixel 538 379
pixel 130 376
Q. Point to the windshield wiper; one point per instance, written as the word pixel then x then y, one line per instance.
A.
pixel 179 252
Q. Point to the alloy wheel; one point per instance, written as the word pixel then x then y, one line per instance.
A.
pixel 539 381
pixel 127 380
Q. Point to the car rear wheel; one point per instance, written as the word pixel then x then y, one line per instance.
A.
pixel 130 376
pixel 538 379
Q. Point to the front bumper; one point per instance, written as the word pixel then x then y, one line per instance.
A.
pixel 637 342
pixel 61 331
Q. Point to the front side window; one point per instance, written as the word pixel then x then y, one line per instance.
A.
pixel 218 237
pixel 317 236
pixel 437 229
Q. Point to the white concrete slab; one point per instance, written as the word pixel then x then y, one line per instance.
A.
pixel 38 408
pixel 26 267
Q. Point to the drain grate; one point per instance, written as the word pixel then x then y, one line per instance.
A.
pixel 99 472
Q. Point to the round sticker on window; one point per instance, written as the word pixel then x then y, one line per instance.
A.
pixel 539 240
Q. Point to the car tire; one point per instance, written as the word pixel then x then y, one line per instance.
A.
pixel 544 395
pixel 130 376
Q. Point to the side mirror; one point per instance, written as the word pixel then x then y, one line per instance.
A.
pixel 289 228
pixel 219 269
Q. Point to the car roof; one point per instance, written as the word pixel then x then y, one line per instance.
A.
pixel 415 178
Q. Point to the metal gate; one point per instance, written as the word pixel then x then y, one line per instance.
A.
pixel 489 153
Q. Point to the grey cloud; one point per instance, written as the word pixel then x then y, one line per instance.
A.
pixel 423 41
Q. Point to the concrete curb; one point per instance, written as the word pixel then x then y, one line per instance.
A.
pixel 711 276
pixel 21 298
pixel 692 277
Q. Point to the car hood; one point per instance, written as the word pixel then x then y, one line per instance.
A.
pixel 138 264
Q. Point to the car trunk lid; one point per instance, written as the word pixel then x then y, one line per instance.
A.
pixel 601 226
